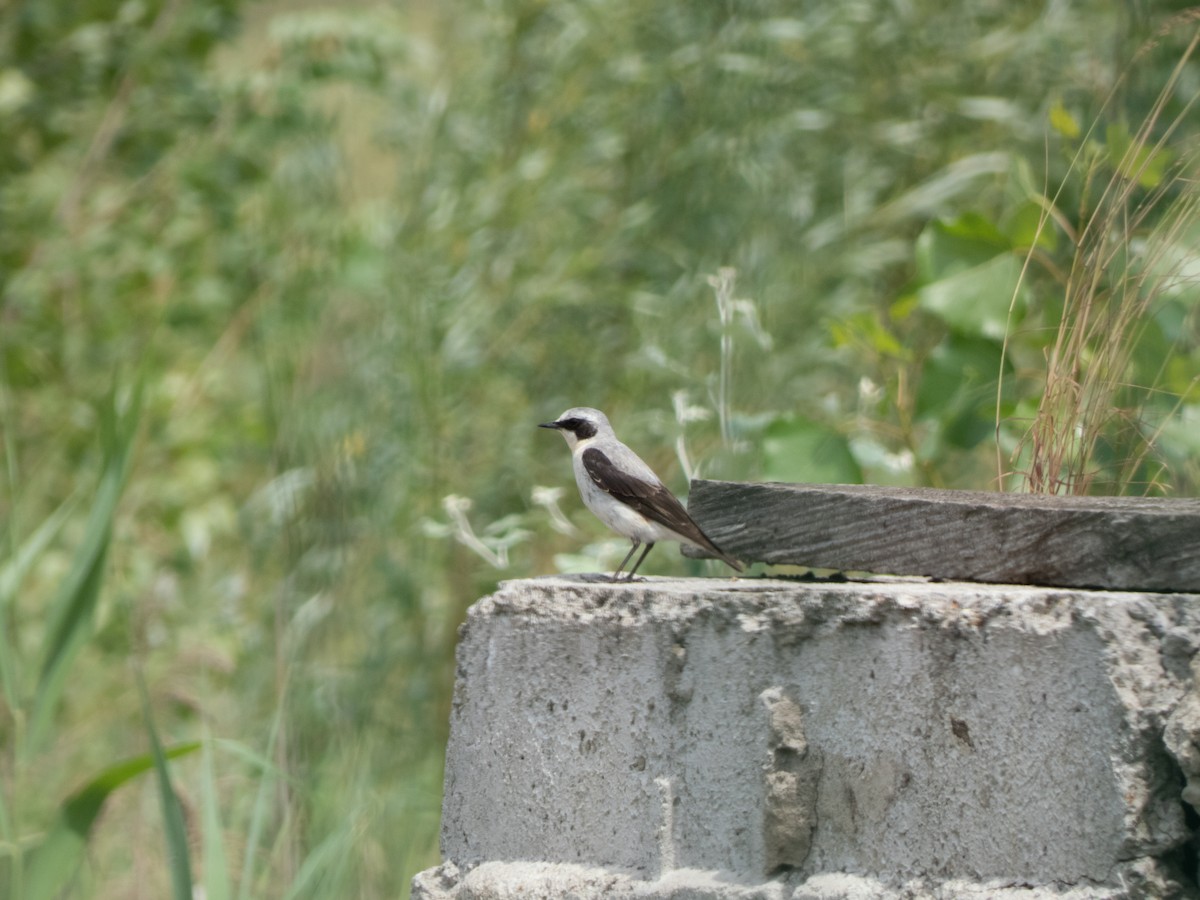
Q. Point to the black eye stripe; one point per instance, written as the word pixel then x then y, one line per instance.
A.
pixel 581 428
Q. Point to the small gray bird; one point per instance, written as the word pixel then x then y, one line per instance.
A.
pixel 624 492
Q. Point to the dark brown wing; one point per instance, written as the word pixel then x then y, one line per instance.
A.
pixel 651 499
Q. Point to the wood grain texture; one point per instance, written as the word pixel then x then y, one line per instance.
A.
pixel 1118 543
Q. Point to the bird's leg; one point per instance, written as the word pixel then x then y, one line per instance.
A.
pixel 632 550
pixel 637 564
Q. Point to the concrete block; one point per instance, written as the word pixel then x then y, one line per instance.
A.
pixel 706 738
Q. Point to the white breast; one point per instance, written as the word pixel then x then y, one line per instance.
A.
pixel 622 519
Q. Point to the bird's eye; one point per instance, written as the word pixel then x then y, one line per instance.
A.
pixel 583 428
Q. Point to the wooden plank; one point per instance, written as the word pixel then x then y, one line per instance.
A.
pixel 1118 543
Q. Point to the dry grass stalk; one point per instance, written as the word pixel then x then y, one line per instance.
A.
pixel 1115 278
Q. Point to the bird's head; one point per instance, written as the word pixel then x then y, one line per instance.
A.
pixel 579 423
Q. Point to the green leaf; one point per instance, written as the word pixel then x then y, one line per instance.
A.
pixel 12 574
pixel 800 450
pixel 73 608
pixel 975 301
pixel 323 865
pixel 958 388
pixel 217 884
pixel 946 247
pixel 1028 225
pixel 1134 159
pixel 1062 121
pixel 1179 433
pixel 56 860
pixel 259 814
pixel 865 331
pixel 14 569
pixel 174 828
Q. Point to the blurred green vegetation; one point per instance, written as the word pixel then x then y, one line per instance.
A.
pixel 281 304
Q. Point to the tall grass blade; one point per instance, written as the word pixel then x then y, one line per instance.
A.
pixel 217 885
pixel 15 568
pixel 324 867
pixel 73 608
pixel 259 815
pixel 174 829
pixel 56 860
pixel 12 573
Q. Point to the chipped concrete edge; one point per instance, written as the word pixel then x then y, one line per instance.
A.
pixel 529 880
pixel 1167 707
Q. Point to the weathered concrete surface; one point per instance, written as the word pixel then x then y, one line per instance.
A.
pixel 760 738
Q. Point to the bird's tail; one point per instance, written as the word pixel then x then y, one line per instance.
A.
pixel 709 547
pixel 730 561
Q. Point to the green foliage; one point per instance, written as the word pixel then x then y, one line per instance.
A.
pixel 174 830
pixel 72 610
pixel 218 884
pixel 56 859
pixel 1039 315
pixel 800 450
pixel 355 265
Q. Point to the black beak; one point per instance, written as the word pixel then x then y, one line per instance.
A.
pixel 553 425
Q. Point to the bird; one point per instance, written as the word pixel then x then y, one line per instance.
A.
pixel 623 492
